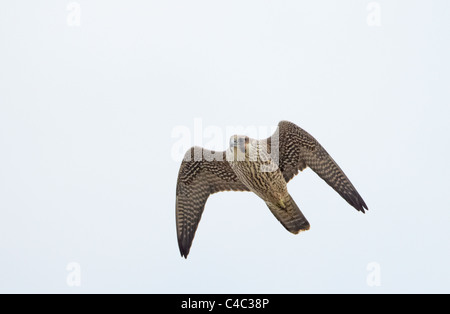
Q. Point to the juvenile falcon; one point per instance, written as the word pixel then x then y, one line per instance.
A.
pixel 260 166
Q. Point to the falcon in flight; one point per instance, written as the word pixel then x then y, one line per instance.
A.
pixel 263 167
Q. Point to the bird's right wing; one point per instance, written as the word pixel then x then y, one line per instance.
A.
pixel 297 149
pixel 198 178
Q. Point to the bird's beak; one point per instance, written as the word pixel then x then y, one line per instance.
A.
pixel 233 142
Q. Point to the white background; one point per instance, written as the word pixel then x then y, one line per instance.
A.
pixel 86 120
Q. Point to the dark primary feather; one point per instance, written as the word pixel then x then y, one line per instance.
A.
pixel 297 149
pixel 198 178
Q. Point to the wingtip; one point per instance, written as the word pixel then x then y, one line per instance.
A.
pixel 184 254
pixel 363 207
pixel 184 245
pixel 357 202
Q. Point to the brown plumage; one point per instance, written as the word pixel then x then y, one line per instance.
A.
pixel 263 167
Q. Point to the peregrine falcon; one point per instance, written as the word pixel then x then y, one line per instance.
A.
pixel 263 167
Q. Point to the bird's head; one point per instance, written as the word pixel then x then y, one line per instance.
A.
pixel 239 145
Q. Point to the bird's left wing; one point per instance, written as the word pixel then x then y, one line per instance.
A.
pixel 199 177
pixel 296 149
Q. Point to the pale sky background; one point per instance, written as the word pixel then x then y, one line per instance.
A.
pixel 86 120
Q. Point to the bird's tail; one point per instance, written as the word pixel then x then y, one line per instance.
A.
pixel 290 216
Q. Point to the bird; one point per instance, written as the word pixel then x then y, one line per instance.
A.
pixel 263 167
